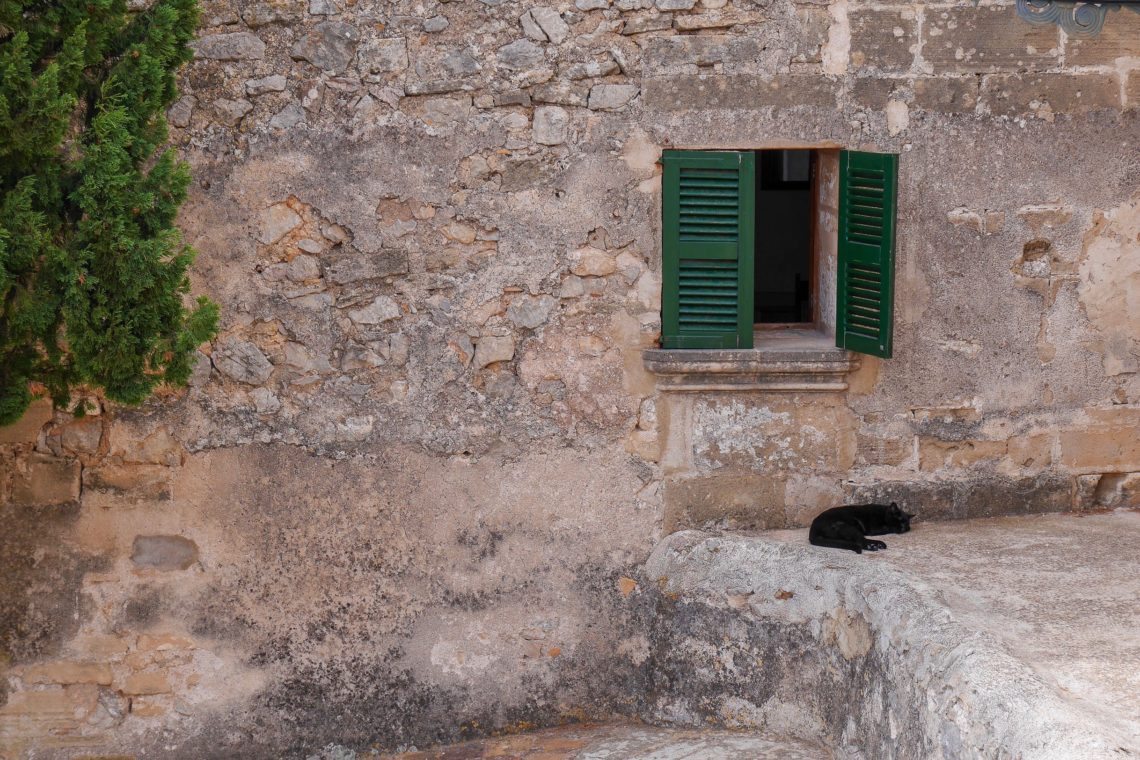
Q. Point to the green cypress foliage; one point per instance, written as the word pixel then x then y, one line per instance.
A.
pixel 93 272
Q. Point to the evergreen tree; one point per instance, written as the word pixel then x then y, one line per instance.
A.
pixel 92 270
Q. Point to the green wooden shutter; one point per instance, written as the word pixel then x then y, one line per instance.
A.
pixel 708 220
pixel 865 295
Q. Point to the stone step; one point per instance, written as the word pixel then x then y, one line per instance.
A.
pixel 625 742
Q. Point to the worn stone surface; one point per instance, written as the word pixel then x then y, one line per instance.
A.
pixel 1046 94
pixel 427 442
pixel 626 742
pixel 550 124
pixel 883 40
pixel 330 46
pixel 273 83
pixel 43 480
pixel 729 500
pixel 919 651
pixel 242 361
pixel 235 46
pixel 164 552
pixel 987 38
pixel 744 92
pixel 27 428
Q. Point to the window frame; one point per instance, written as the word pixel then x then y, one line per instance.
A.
pixel 830 238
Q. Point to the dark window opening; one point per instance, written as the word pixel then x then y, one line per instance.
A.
pixel 785 272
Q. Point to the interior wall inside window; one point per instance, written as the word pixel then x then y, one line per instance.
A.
pixel 785 273
pixel 826 231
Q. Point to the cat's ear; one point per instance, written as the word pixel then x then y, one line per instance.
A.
pixel 895 507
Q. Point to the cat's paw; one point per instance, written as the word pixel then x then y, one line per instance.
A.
pixel 874 546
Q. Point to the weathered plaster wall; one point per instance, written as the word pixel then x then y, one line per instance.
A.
pixel 403 496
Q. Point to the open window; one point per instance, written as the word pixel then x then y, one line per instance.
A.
pixel 750 244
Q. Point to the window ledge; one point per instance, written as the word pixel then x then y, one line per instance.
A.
pixel 811 367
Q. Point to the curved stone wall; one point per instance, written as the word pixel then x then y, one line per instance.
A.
pixel 830 647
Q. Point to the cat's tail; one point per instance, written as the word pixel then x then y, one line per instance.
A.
pixel 836 543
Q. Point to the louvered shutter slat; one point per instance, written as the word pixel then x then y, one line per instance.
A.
pixel 707 231
pixel 867 201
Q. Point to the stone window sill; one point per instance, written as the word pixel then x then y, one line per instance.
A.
pixel 782 361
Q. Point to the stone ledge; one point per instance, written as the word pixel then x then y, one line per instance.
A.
pixel 919 651
pixel 820 369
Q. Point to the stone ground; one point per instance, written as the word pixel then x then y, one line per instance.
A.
pixel 625 742
pixel 1062 592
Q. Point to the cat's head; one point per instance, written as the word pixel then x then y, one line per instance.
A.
pixel 902 518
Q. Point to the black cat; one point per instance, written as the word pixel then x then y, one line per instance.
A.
pixel 848 527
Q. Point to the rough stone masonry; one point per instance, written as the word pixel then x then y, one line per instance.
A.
pixel 407 494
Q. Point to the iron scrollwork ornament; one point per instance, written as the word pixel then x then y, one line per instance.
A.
pixel 1078 19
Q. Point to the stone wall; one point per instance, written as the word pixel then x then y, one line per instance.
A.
pixel 407 493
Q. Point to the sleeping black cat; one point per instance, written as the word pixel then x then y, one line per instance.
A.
pixel 848 527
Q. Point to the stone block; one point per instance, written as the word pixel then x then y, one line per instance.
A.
pixel 159 447
pixel 82 436
pixel 768 435
pixel 347 269
pixel 330 46
pixel 550 125
pixel 1031 451
pixel 737 501
pixel 239 46
pixel 276 222
pixel 561 93
pixel 1132 90
pixel 164 552
pixel 27 428
pixel 520 55
pixel 970 496
pixel 873 92
pixel 877 450
pixel 65 672
pixel 230 112
pixel 699 21
pixel 1119 38
pixel 382 309
pixel 493 348
pixel 739 92
pixel 809 36
pixel 382 56
pixel 276 11
pixel 544 25
pixel 883 40
pixel 43 480
pixel 116 484
pixel 1111 443
pixel 946 423
pixel 946 95
pixel 146 683
pixel 611 97
pixel 987 38
pixel 683 54
pixel 274 83
pixel 59 705
pixel 647 23
pixel 1045 217
pixel 242 361
pixel 1046 94
pixel 938 455
pixel 591 262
